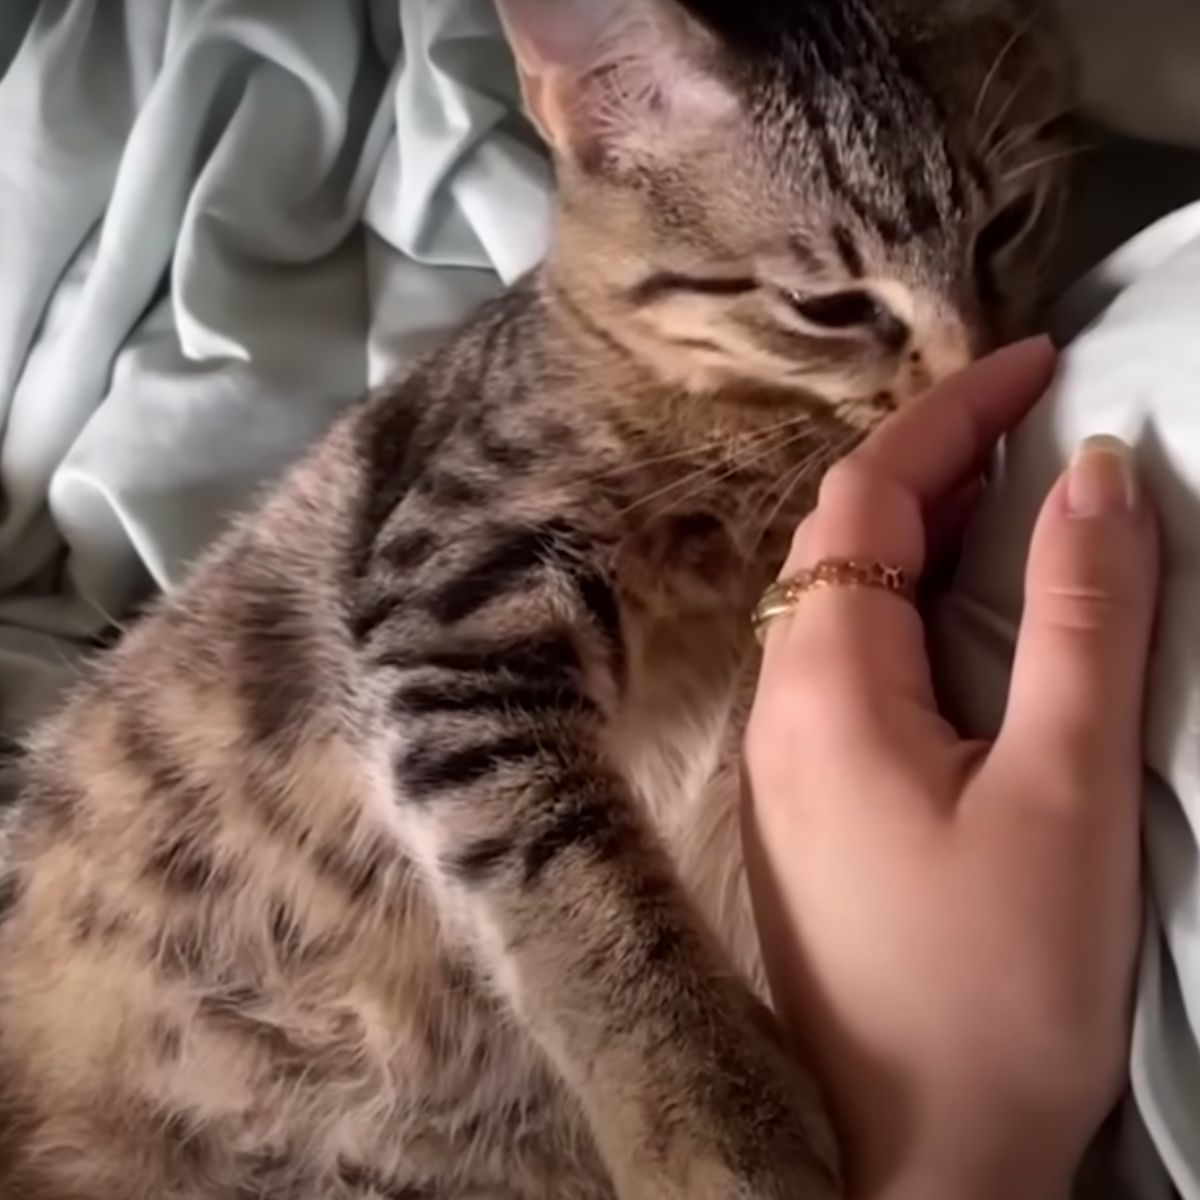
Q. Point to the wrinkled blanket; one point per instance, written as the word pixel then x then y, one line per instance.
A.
pixel 218 225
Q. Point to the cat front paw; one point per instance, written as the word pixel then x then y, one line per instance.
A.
pixel 743 1138
pixel 714 1179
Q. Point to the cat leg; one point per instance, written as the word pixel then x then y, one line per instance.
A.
pixel 539 856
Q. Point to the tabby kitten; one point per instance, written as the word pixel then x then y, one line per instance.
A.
pixel 396 855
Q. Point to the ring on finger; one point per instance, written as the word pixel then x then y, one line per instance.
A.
pixel 783 597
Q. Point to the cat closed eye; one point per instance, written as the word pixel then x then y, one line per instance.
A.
pixel 851 311
pixel 839 310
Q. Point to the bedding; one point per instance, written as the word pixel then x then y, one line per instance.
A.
pixel 221 220
pixel 1131 368
pixel 217 227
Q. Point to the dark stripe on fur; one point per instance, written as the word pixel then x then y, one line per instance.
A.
pixel 147 750
pixel 662 284
pixel 600 601
pixel 358 869
pixel 922 210
pixel 514 555
pixel 166 1040
pixel 488 696
pixel 369 1184
pixel 392 456
pixel 272 1172
pixel 279 679
pixel 425 771
pixel 481 860
pixel 409 549
pixel 354 865
pixel 187 1148
pixel 95 920
pixel 547 658
pixel 503 453
pixel 187 867
pixel 564 302
pixel 287 936
pixel 825 59
pixel 367 617
pixel 10 894
pixel 848 252
pixel 704 345
pixel 182 952
pixel 580 823
pixel 450 490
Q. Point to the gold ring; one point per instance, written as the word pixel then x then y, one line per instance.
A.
pixel 782 597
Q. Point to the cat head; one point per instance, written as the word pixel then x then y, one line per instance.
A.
pixel 849 198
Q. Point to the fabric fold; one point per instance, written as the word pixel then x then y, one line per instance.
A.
pixel 220 222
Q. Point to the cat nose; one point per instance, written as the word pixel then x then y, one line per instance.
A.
pixel 943 352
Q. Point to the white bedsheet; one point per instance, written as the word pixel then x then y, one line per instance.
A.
pixel 1133 370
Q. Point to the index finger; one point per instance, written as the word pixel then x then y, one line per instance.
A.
pixel 876 505
pixel 934 444
pixel 874 508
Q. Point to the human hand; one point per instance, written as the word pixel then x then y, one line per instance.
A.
pixel 951 927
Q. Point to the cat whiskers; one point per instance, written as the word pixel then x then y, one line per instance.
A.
pixel 1046 160
pixel 776 438
pixel 712 477
pixel 994 72
pixel 695 451
pixel 820 458
pixel 1015 139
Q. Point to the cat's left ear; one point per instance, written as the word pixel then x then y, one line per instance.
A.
pixel 603 79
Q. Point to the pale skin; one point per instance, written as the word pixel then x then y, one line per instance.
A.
pixel 951 927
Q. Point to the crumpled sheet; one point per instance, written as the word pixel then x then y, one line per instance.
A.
pixel 221 220
pixel 1132 368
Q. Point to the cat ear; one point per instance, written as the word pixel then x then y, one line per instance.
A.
pixel 604 78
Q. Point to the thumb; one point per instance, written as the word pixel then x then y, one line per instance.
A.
pixel 1079 676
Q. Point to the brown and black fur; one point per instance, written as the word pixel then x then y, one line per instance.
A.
pixel 396 856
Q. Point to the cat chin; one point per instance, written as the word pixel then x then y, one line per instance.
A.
pixel 861 410
pixel 860 415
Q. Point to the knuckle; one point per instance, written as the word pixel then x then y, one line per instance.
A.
pixel 846 475
pixel 800 542
pixel 1085 609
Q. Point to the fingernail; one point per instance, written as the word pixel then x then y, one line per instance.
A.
pixel 1103 479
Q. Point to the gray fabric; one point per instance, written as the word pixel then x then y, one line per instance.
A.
pixel 218 224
